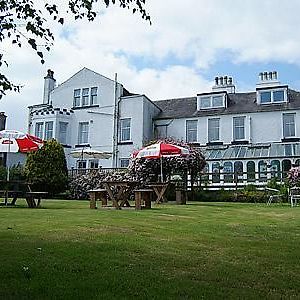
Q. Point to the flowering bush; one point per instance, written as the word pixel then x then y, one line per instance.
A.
pixel 148 170
pixel 294 176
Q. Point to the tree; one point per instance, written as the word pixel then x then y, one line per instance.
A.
pixel 26 21
pixel 47 168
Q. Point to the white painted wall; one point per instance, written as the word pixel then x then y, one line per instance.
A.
pixel 265 127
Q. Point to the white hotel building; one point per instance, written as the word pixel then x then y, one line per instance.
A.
pixel 237 131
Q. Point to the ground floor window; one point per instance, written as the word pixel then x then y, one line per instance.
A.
pixel 238 170
pixel 94 164
pixel 251 171
pixel 216 172
pixel 286 165
pixel 275 169
pixel 124 162
pixel 228 171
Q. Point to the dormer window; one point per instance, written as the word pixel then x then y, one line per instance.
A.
pixel 209 101
pixel 269 96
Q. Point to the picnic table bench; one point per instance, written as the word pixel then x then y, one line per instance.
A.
pixel 18 188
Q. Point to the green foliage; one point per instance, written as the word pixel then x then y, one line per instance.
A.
pixel 47 168
pixel 16 172
pixel 34 16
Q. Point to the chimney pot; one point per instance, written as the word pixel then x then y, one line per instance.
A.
pixel 225 80
pixel 221 80
pixel 265 75
pixel 271 75
pixel 275 75
pixel 230 80
pixel 217 80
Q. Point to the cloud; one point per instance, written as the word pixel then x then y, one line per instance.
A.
pixel 196 31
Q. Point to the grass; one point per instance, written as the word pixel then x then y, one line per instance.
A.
pixel 201 250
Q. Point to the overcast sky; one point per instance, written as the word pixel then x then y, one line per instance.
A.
pixel 188 44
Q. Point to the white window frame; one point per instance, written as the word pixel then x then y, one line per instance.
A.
pixel 85 94
pixel 272 91
pixel 62 134
pixel 48 131
pixel 76 98
pixel 39 133
pixel 192 131
pixel 94 95
pixel 211 100
pixel 235 127
pixel 284 124
pixel 209 128
pixel 83 136
pixel 122 129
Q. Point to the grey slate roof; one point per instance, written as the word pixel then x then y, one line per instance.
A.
pixel 238 103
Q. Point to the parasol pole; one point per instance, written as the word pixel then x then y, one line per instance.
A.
pixel 7 165
pixel 161 169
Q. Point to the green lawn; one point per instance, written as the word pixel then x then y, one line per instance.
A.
pixel 202 250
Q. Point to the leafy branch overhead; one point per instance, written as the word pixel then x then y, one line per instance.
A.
pixel 27 21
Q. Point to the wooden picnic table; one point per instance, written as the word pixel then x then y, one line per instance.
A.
pixel 19 188
pixel 119 192
pixel 159 190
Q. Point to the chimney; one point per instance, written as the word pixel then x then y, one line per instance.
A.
pixel 224 84
pixel 267 79
pixel 2 120
pixel 49 85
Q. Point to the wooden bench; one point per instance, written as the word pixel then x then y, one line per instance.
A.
pixel 181 196
pixel 97 194
pixel 33 199
pixel 142 198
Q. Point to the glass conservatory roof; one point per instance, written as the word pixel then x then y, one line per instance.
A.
pixel 272 150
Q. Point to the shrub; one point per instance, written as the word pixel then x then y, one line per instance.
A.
pixel 46 168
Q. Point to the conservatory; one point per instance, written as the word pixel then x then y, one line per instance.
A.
pixel 251 163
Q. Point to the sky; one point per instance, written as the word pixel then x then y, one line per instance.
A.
pixel 188 44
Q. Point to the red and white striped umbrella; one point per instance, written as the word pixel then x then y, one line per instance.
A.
pixel 161 149
pixel 17 141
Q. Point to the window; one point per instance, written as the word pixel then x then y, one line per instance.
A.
pixel 124 162
pixel 161 131
pixel 211 101
pixel 288 125
pixel 205 102
pixel 251 171
pixel 278 96
pixel 125 130
pixel 238 128
pixel 238 171
pixel 94 164
pixel 213 130
pixel 228 171
pixel 94 92
pixel 217 101
pixel 85 97
pixel 275 169
pixel 262 169
pixel 48 130
pixel 273 96
pixel 265 97
pixel 216 172
pixel 76 98
pixel 83 133
pixel 81 164
pixel 62 133
pixel 39 130
pixel 191 131
pixel 286 165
